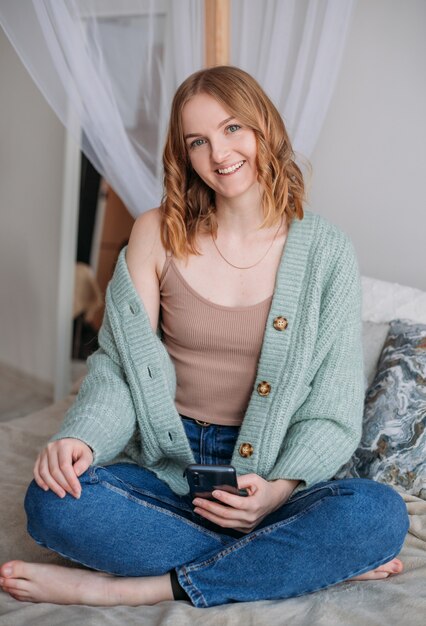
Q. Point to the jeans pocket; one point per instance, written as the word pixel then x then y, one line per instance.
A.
pixel 306 493
pixel 151 489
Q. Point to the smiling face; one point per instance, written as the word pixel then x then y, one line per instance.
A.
pixel 222 150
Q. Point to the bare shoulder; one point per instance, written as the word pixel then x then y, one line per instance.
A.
pixel 145 246
pixel 144 256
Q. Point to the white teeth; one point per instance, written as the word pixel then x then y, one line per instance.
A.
pixel 228 170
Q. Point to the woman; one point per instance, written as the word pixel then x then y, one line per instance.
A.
pixel 258 364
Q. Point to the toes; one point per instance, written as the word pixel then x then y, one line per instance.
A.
pixel 397 566
pixel 18 595
pixel 15 584
pixel 17 569
pixel 13 569
pixel 382 571
pixel 383 568
pixel 372 575
pixel 7 569
pixel 16 588
pixel 392 567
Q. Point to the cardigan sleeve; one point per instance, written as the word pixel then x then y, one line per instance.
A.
pixel 103 415
pixel 326 429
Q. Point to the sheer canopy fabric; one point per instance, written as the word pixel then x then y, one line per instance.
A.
pixel 294 49
pixel 112 65
pixel 109 69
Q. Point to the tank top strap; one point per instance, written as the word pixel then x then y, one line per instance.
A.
pixel 165 267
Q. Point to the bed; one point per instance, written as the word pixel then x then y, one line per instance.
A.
pixel 399 599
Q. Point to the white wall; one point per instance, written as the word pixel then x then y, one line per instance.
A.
pixel 369 166
pixel 31 173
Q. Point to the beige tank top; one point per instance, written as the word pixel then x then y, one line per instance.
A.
pixel 215 349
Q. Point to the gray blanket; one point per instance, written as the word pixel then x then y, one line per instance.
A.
pixel 399 599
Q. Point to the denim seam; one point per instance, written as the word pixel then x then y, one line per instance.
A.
pixel 192 591
pixel 302 494
pixel 202 446
pixel 196 595
pixel 148 505
pixel 241 543
pixel 144 492
pixel 92 472
pixel 153 495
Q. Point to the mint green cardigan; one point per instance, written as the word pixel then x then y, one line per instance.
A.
pixel 309 424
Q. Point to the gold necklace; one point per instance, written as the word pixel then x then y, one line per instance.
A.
pixel 247 267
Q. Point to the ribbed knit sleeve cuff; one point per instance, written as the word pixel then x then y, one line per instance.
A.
pixel 88 430
pixel 299 463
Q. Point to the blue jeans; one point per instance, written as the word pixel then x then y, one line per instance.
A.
pixel 129 523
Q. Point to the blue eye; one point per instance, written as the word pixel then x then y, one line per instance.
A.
pixel 195 143
pixel 232 128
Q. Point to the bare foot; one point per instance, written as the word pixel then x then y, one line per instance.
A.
pixel 36 582
pixel 392 567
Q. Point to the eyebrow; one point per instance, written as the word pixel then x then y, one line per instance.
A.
pixel 221 124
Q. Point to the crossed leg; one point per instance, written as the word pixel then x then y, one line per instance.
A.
pixel 36 582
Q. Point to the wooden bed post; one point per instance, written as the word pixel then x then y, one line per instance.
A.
pixel 217 18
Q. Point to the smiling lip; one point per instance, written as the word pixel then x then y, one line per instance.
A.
pixel 231 169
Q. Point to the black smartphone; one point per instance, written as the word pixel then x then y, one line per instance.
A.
pixel 203 479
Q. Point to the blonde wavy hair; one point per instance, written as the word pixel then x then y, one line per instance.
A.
pixel 188 204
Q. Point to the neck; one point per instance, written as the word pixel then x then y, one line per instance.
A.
pixel 242 215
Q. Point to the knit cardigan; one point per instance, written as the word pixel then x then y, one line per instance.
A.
pixel 309 424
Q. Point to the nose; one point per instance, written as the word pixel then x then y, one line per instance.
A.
pixel 219 151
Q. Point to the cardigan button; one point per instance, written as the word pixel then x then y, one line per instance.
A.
pixel 264 388
pixel 280 323
pixel 246 450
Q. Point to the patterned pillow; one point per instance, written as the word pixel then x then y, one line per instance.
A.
pixel 393 445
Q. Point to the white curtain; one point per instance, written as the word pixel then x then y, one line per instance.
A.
pixel 294 49
pixel 109 68
pixel 112 65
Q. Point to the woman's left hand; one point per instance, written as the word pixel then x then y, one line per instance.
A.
pixel 244 513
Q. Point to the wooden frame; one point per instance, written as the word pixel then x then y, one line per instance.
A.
pixel 217 32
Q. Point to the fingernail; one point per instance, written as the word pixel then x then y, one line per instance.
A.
pixel 7 571
pixel 77 495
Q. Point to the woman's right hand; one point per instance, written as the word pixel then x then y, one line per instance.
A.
pixel 60 463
